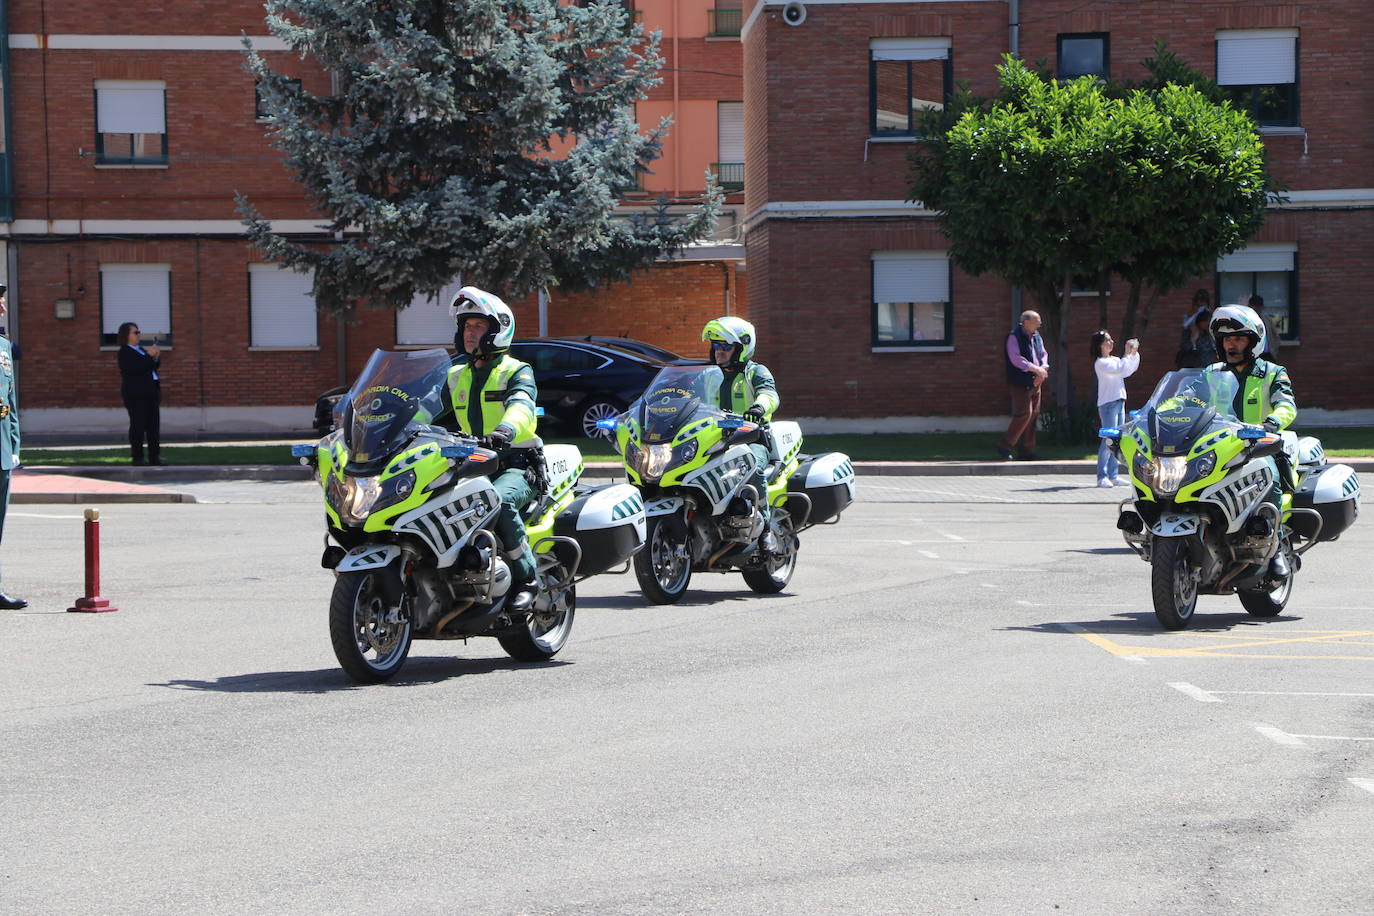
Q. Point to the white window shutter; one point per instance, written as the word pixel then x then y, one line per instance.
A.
pixel 910 276
pixel 282 307
pixel 1258 258
pixel 140 293
pixel 426 321
pixel 908 48
pixel 1257 57
pixel 730 128
pixel 130 107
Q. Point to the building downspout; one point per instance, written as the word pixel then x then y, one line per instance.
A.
pixel 1014 47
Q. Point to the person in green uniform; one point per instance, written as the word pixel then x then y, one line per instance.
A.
pixel 9 439
pixel 491 394
pixel 1265 393
pixel 748 389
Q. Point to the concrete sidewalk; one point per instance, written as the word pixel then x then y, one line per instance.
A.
pixel 128 484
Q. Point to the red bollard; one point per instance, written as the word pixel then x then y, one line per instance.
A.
pixel 92 603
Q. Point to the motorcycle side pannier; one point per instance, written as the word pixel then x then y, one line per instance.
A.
pixel 1334 491
pixel 828 481
pixel 608 523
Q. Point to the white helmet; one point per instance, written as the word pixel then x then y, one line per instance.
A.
pixel 472 301
pixel 1239 319
pixel 732 330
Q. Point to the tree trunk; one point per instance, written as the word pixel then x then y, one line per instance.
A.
pixel 1132 306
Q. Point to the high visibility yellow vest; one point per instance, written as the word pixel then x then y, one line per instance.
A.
pixel 497 404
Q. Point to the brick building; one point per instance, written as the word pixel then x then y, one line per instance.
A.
pixel 847 276
pixel 124 146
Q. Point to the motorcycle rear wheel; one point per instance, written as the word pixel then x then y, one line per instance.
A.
pixel 370 647
pixel 543 633
pixel 664 565
pixel 1173 582
pixel 776 571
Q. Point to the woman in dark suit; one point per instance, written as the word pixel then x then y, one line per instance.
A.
pixel 140 389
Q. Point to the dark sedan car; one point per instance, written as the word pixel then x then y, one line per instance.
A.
pixel 580 380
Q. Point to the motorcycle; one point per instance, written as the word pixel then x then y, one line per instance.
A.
pixel 1200 515
pixel 693 463
pixel 409 511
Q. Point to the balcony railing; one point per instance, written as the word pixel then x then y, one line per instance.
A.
pixel 724 23
pixel 730 175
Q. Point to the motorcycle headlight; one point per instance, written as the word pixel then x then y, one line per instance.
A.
pixel 1202 465
pixel 1168 474
pixel 652 460
pixel 355 498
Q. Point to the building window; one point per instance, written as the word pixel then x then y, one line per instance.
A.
pixel 260 111
pixel 426 321
pixel 730 145
pixel 911 304
pixel 1082 55
pixel 907 77
pixel 141 293
pixel 1258 69
pixel 281 308
pixel 1268 270
pixel 724 22
pixel 131 122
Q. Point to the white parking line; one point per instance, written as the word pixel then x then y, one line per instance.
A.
pixel 41 515
pixel 1366 784
pixel 1278 736
pixel 929 554
pixel 1291 693
pixel 952 537
pixel 1332 738
pixel 1197 693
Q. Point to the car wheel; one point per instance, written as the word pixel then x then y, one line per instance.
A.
pixel 594 411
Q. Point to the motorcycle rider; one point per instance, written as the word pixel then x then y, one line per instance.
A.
pixel 749 389
pixel 1265 393
pixel 491 394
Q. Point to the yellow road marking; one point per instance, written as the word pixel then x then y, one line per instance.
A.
pixel 1327 637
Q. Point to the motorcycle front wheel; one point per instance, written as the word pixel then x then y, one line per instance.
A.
pixel 1270 602
pixel 1173 582
pixel 548 626
pixel 776 571
pixel 664 565
pixel 370 641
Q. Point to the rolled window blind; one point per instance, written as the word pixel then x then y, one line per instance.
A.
pixel 140 293
pixel 910 276
pixel 1258 259
pixel 1257 57
pixel 130 107
pixel 908 48
pixel 282 307
pixel 426 320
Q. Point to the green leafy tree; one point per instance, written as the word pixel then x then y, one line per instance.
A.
pixel 1053 181
pixel 434 154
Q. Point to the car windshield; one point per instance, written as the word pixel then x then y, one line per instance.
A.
pixel 394 387
pixel 1187 402
pixel 675 396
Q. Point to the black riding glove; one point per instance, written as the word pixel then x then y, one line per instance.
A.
pixel 498 439
pixel 1271 425
pixel 754 413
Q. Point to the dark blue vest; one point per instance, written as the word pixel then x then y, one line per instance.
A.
pixel 1028 345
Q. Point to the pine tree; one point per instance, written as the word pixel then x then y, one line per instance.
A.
pixel 433 155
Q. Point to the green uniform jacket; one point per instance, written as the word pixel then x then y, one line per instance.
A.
pixel 1266 393
pixel 9 424
pixel 500 394
pixel 751 385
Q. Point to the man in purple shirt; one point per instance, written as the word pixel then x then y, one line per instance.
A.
pixel 1028 365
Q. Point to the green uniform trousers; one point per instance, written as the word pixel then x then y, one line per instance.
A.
pixel 516 493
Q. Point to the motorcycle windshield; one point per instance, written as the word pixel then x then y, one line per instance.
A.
pixel 1187 403
pixel 676 396
pixel 396 390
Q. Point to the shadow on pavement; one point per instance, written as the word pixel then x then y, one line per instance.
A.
pixel 1144 623
pixel 1102 551
pixel 417 671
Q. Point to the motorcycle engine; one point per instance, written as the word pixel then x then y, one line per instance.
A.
pixel 742 521
pixel 477 576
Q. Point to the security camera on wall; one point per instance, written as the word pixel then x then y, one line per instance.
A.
pixel 794 13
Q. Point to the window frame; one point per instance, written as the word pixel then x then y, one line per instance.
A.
pixel 910 344
pixel 260 268
pixel 1104 37
pixel 947 64
pixel 110 339
pixel 104 156
pixel 1294 332
pixel 1246 96
pixel 258 115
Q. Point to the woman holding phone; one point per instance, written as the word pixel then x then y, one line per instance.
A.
pixel 141 390
pixel 1111 372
